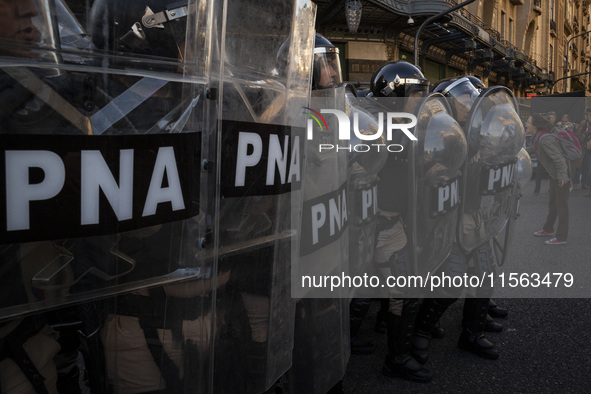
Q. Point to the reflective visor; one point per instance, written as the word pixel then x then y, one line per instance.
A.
pixel 461 88
pixel 417 90
pixel 327 68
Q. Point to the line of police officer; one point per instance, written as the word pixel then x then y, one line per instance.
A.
pixel 235 318
pixel 399 87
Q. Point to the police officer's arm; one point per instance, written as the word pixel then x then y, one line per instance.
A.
pixel 198 287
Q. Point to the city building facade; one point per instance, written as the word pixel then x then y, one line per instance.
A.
pixel 521 44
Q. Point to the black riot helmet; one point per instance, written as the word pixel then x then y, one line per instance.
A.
pixel 398 79
pixel 148 27
pixel 327 67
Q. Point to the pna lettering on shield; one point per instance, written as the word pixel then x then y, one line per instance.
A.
pixel 95 175
pixel 276 157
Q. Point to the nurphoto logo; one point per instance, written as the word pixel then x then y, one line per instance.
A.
pixel 393 122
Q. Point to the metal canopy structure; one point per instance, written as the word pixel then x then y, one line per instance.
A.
pixel 459 38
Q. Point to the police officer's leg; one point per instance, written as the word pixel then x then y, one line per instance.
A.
pixel 399 361
pixel 429 314
pixel 26 357
pixel 476 309
pixel 257 308
pixel 432 309
pixel 358 309
pixel 381 316
pixel 472 338
pixel 391 259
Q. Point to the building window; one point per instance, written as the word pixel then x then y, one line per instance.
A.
pixel 503 24
pixel 551 58
pixel 511 30
pixel 551 10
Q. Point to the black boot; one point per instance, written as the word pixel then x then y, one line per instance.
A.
pixel 429 314
pixel 492 326
pixel 420 346
pixel 438 331
pixel 256 363
pixel 477 344
pixel 399 362
pixel 381 316
pixel 472 338
pixel 496 311
pixel 357 310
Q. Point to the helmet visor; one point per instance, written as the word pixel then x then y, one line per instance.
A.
pixel 420 88
pixel 463 95
pixel 462 90
pixel 327 68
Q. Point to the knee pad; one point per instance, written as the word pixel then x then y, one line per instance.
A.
pixel 483 264
pixel 454 266
pixel 399 306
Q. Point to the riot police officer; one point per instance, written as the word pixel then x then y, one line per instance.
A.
pixel 321 340
pixel 461 93
pixel 403 85
pixel 150 335
pixel 326 73
pixel 494 310
pixel 159 325
pixel 474 242
pixel 35 355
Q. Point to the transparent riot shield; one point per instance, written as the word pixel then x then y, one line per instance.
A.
pixel 102 139
pixel 502 241
pixel 495 135
pixel 321 347
pixel 257 180
pixel 366 159
pixel 435 161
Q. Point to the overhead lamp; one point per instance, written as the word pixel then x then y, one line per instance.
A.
pixel 353 14
pixel 410 21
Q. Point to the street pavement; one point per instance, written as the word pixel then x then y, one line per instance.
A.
pixel 546 343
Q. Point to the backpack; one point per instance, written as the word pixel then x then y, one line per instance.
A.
pixel 570 143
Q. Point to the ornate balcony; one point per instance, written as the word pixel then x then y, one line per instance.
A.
pixel 568 29
pixel 537 6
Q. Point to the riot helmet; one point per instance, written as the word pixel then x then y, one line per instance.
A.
pixel 462 94
pixel 148 27
pixel 399 79
pixel 478 84
pixel 327 67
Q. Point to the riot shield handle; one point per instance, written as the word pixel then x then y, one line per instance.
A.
pixel 47 275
